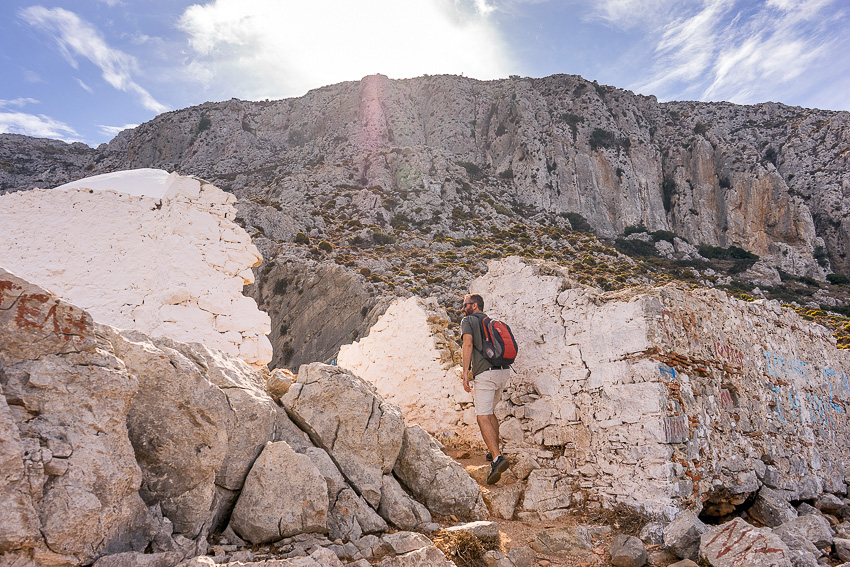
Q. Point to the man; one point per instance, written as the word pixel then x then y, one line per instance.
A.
pixel 489 382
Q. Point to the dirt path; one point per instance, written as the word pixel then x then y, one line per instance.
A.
pixel 517 533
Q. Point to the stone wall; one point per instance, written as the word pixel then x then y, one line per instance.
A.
pixel 658 398
pixel 142 250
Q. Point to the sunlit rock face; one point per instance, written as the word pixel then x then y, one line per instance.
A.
pixel 659 398
pixel 143 250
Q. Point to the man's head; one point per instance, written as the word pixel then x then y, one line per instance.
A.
pixel 472 303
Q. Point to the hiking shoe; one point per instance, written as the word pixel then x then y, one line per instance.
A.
pixel 488 457
pixel 498 466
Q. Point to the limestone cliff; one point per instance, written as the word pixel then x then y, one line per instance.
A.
pixel 767 178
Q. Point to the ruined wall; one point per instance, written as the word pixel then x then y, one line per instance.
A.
pixel 658 398
pixel 142 250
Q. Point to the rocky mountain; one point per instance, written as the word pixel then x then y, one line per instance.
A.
pixel 412 184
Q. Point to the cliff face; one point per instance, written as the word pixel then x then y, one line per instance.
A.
pixel 768 178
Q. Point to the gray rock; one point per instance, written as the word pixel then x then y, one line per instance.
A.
pixel 684 563
pixel 398 508
pixel 178 453
pixel 771 508
pixel 627 551
pixel 683 534
pixel 428 556
pixel 284 494
pixel 805 509
pixel 369 545
pixel 842 548
pixel 344 415
pixel 831 504
pixel 522 556
pixel 435 479
pixel 495 558
pixel 561 541
pixel 502 500
pixel 481 529
pixel 738 543
pixel 546 490
pixel 813 528
pixel 349 515
pixel 68 391
pixel 652 533
pixel 802 558
pixel 405 542
pixel 137 559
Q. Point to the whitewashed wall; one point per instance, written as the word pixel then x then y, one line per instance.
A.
pixel 142 250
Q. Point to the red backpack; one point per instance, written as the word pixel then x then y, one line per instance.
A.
pixel 498 344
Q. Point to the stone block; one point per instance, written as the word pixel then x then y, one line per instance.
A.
pixel 683 535
pixel 738 543
pixel 627 551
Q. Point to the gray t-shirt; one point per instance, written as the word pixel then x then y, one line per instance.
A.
pixel 469 326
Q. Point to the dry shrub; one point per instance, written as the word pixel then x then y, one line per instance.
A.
pixel 465 549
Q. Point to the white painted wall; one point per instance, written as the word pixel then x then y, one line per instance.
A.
pixel 144 250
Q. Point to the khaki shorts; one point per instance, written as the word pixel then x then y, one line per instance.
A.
pixel 487 388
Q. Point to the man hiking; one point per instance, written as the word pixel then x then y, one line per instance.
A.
pixel 489 381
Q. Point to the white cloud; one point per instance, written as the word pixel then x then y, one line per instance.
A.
pixel 112 131
pixel 84 86
pixel 743 52
pixel 77 37
pixel 37 125
pixel 32 77
pixel 269 49
pixel 19 102
pixel 627 14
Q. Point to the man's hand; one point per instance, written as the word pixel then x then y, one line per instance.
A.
pixel 466 385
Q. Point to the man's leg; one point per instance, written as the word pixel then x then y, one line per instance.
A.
pixel 489 426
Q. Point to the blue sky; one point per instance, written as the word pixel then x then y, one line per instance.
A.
pixel 82 70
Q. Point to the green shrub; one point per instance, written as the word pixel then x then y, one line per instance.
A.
pixel 700 128
pixel 725 183
pixel 578 222
pixel 326 246
pixel 382 238
pixel 837 279
pixel 821 256
pixel 302 238
pixel 636 248
pixel 600 138
pixel 204 124
pixel 634 229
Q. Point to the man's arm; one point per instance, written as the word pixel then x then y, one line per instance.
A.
pixel 467 361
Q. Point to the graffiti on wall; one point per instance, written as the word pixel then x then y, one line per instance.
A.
pixel 794 405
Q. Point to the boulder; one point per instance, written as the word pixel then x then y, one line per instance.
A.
pixel 683 534
pixel 349 516
pixel 254 411
pixel 428 556
pixel 502 500
pixel 71 480
pixel 284 494
pixel 771 508
pixel 813 528
pixel 405 542
pixel 487 531
pixel 627 551
pixel 436 479
pixel 398 508
pixel 802 558
pixel 137 559
pixel 178 425
pixel 832 504
pixel 842 548
pixel 345 416
pixel 562 541
pixel 738 543
pixel 546 490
